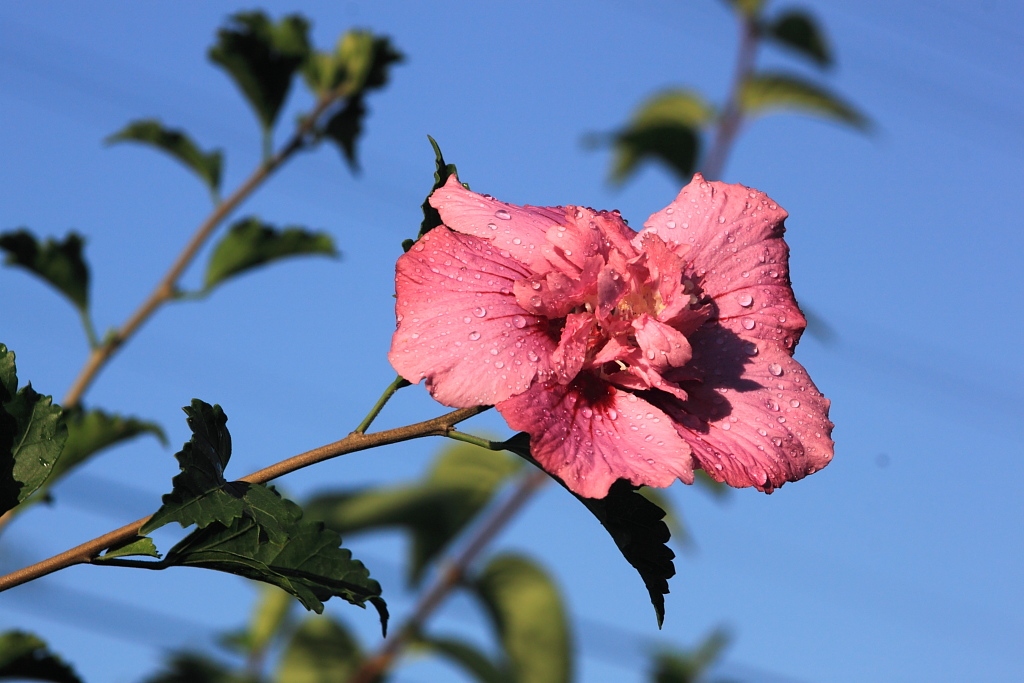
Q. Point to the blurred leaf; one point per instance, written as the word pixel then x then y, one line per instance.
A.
pixel 442 171
pixel 716 488
pixel 59 263
pixel 179 145
pixel 359 63
pixel 136 547
pixel 31 436
pixel 321 651
pixel 270 614
pixel 25 656
pixel 530 619
pixel 747 8
pixel 261 57
pixel 475 663
pixel 665 128
pixel 345 127
pixel 91 431
pixel 192 667
pixel 635 524
pixel 250 243
pixel 679 666
pixel 799 31
pixel 434 511
pixel 765 92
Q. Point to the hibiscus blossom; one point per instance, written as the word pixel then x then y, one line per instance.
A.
pixel 624 355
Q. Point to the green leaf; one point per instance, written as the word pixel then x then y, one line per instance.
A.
pixel 262 57
pixel 91 431
pixel 635 524
pixel 468 658
pixel 192 667
pixel 766 92
pixel 270 614
pixel 681 666
pixel 747 8
pixel 250 243
pixel 206 165
pixel 59 263
pixel 442 171
pixel 798 31
pixel 666 128
pixel 673 520
pixel 360 63
pixel 345 127
pixel 136 547
pixel 200 494
pixel 31 436
pixel 434 511
pixel 528 614
pixel 25 656
pixel 321 651
pixel 277 547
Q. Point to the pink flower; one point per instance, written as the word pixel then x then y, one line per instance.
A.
pixel 627 355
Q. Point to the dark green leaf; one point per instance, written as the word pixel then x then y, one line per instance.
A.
pixel 345 127
pixel 681 666
pixel 192 667
pixel 24 656
pixel 635 524
pixel 773 91
pixel 59 263
pixel 268 618
pixel 262 57
pixel 666 128
pixel 91 431
pixel 207 165
pixel 528 614
pixel 359 63
pixel 276 546
pixel 462 481
pixel 31 436
pixel 200 494
pixel 136 547
pixel 468 658
pixel 799 31
pixel 442 171
pixel 321 651
pixel 673 520
pixel 250 243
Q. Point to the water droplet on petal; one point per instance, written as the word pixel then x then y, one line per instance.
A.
pixel 532 356
pixel 519 321
pixel 748 323
pixel 467 319
pixel 612 414
pixel 503 214
pixel 795 403
pixel 499 365
pixel 480 311
pixel 745 300
pixel 535 285
pixel 721 219
pixel 727 426
pixel 670 225
pixel 762 432
pixel 492 226
pixel 775 369
pixel 517 241
pixel 473 336
pixel 587 413
pixel 777 441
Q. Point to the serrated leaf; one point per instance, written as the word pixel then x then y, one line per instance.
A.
pixel 138 547
pixel 345 127
pixel 278 547
pixel 206 165
pixel 251 243
pixel 442 171
pixel 322 650
pixel 666 128
pixel 358 64
pixel 527 611
pixel 673 520
pixel 193 667
pixel 59 263
pixel 799 31
pixel 468 658
pixel 766 92
pixel 200 494
pixel 32 436
pixel 25 656
pixel 689 666
pixel 434 511
pixel 635 524
pixel 262 56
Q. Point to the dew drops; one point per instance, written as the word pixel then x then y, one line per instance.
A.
pixel 775 369
pixel 502 214
pixel 762 432
pixel 467 320
pixel 473 336
pixel 536 302
pixel 517 241
pixel 782 420
pixel 532 356
pixel 535 284
pixel 721 219
pixel 492 226
pixel 777 441
pixel 670 225
pixel 480 312
pixel 519 321
pixel 499 365
pixel 727 426
pixel 748 323
pixel 745 300
pixel 613 415
pixel 794 403
pixel 568 253
pixel 649 437
pixel 650 354
pixel 587 413
pixel 494 352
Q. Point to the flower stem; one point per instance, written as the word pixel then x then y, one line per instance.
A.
pixel 399 383
pixel 476 440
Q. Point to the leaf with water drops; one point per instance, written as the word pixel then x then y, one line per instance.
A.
pixel 770 91
pixel 176 143
pixel 251 243
pixel 798 31
pixel 32 436
pixel 25 656
pixel 59 263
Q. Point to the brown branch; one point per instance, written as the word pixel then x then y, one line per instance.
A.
pixel 448 579
pixel 439 426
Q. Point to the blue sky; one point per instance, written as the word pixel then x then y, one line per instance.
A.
pixel 901 561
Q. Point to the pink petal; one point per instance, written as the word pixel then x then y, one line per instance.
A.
pixel 753 420
pixel 662 346
pixel 518 230
pixel 568 357
pixel 589 434
pixel 459 325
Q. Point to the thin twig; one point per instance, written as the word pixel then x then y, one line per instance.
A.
pixel 439 426
pixel 379 405
pixel 448 579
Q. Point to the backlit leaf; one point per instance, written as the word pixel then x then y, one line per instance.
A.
pixel 24 656
pixel 766 92
pixel 528 614
pixel 59 263
pixel 251 243
pixel 91 431
pixel 747 8
pixel 434 511
pixel 465 656
pixel 322 650
pixel 31 436
pixel 206 165
pixel 798 31
pixel 682 666
pixel 138 547
pixel 262 56
pixel 345 127
pixel 192 667
pixel 360 63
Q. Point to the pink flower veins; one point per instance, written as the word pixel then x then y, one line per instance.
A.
pixel 627 355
